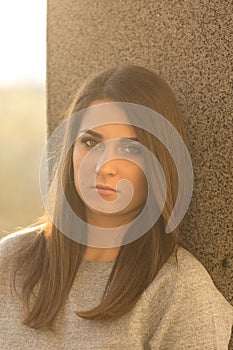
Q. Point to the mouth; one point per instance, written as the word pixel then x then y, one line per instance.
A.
pixel 105 190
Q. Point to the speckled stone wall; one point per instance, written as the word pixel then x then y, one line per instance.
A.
pixel 188 43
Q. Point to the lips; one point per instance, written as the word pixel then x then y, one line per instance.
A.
pixel 105 190
pixel 105 187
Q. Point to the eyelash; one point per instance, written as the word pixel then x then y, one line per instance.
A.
pixel 84 141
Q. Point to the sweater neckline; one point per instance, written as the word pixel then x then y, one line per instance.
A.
pixel 92 265
pixel 97 262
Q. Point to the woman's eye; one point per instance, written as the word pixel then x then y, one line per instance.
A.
pixel 90 143
pixel 131 149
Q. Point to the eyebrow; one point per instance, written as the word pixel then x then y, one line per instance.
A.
pixel 99 136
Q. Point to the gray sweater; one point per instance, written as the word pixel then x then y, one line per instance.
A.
pixel 181 309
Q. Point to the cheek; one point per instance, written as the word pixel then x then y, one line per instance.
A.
pixel 82 168
pixel 138 179
pixel 78 156
pixel 77 159
pixel 142 185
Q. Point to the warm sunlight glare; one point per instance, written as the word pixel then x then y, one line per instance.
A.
pixel 23 42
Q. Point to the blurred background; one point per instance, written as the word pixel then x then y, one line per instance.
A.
pixel 22 111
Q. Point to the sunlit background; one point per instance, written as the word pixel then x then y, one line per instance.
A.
pixel 22 111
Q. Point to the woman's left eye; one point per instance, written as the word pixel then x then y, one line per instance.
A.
pixel 131 149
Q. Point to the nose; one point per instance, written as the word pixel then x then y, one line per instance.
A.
pixel 106 164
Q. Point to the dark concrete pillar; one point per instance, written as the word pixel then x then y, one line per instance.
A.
pixel 188 44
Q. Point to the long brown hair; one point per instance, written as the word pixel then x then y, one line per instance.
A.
pixel 50 260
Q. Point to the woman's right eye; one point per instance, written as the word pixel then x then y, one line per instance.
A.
pixel 90 143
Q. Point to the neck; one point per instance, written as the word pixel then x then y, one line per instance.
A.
pixel 104 244
pixel 110 221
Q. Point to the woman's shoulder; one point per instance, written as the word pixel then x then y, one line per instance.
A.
pixel 12 249
pixel 181 267
pixel 187 280
pixel 183 293
pixel 184 275
pixel 193 276
pixel 16 240
pixel 189 267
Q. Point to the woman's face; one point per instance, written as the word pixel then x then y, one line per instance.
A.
pixel 105 154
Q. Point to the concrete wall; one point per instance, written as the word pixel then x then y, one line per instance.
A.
pixel 188 44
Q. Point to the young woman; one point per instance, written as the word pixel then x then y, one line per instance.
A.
pixel 65 284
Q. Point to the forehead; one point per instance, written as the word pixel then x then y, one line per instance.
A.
pixel 106 117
